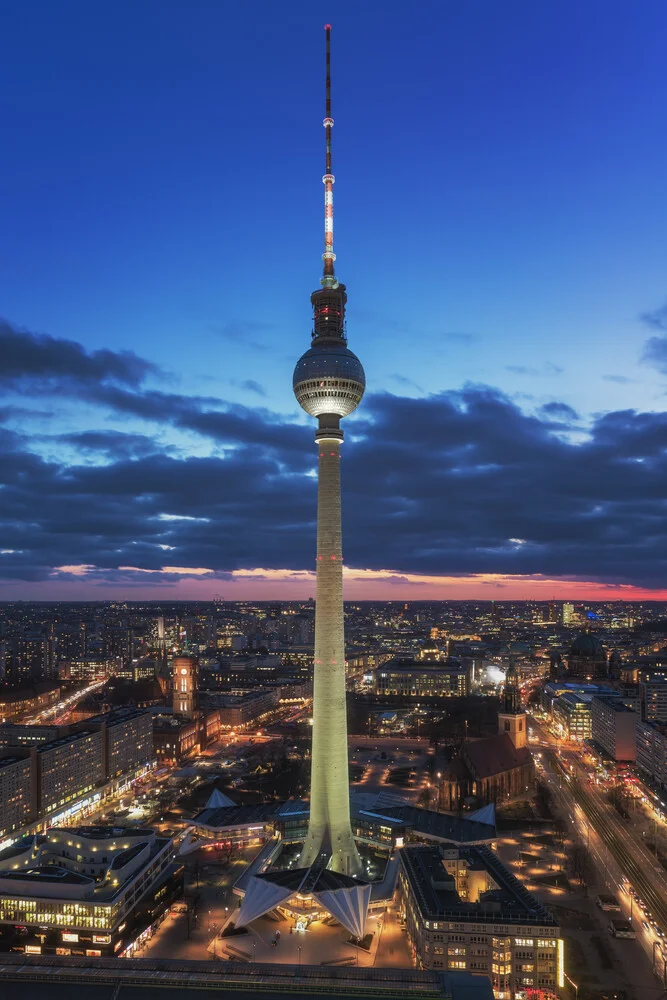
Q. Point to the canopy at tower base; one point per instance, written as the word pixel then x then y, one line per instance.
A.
pixel 261 896
pixel 218 800
pixel 349 906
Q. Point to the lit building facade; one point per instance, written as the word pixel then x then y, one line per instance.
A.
pixel 421 679
pixel 185 685
pixel 613 727
pixel 85 891
pixel 464 910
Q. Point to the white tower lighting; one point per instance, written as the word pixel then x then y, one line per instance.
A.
pixel 329 383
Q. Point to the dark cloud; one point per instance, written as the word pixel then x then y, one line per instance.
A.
pixel 454 483
pixel 655 353
pixel 559 411
pixel 655 348
pixel 656 319
pixel 251 386
pixel 112 445
pixel 619 379
pixel 32 357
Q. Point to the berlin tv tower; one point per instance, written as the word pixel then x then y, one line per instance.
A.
pixel 329 383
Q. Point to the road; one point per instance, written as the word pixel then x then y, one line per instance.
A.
pixel 644 874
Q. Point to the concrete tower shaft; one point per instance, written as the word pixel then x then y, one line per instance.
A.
pixel 329 383
pixel 329 827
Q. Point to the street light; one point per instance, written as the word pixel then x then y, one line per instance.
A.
pixel 576 988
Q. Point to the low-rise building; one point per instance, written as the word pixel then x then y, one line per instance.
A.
pixel 85 890
pixel 423 678
pixel 17 702
pixel 175 737
pixel 464 910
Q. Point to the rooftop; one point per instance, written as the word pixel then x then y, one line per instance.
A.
pixel 510 902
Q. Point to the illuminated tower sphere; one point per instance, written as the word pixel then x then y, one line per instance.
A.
pixel 329 383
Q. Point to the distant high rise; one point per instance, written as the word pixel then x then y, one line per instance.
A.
pixel 329 383
pixel 568 613
pixel 185 684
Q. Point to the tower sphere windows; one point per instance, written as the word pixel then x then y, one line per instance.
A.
pixel 329 378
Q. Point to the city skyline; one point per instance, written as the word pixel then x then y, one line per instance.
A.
pixel 512 439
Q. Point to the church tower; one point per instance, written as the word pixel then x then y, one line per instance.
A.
pixel 512 718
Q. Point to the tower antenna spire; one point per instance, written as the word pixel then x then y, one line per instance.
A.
pixel 329 276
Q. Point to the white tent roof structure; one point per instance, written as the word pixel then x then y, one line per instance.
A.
pixel 261 896
pixel 487 814
pixel 348 906
pixel 218 801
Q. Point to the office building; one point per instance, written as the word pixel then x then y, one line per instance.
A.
pixel 68 768
pixel 613 728
pixel 651 744
pixel 422 679
pixel 17 793
pixel 464 910
pixel 572 714
pixel 653 698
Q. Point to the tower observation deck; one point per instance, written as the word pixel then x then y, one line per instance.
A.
pixel 329 384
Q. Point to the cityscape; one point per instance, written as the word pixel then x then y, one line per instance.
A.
pixel 231 760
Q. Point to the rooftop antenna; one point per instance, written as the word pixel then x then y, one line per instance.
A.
pixel 329 276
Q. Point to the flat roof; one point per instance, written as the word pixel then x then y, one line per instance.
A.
pixel 107 978
pixel 48 875
pixel 509 903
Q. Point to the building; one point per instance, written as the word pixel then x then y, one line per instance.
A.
pixel 127 739
pixel 613 728
pixel 185 685
pixel 165 979
pixel 512 719
pixel 68 768
pixel 90 891
pixel 572 714
pixel 238 710
pixel 494 769
pixel 653 698
pixel 14 735
pixel 382 826
pixel 175 737
pixel 17 793
pixel 15 703
pixel 651 744
pixel 329 384
pixel 465 911
pixel 587 658
pixel 422 679
pixel 568 613
pixel 89 670
pixel 63 765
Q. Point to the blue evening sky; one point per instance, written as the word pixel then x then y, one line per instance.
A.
pixel 501 195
